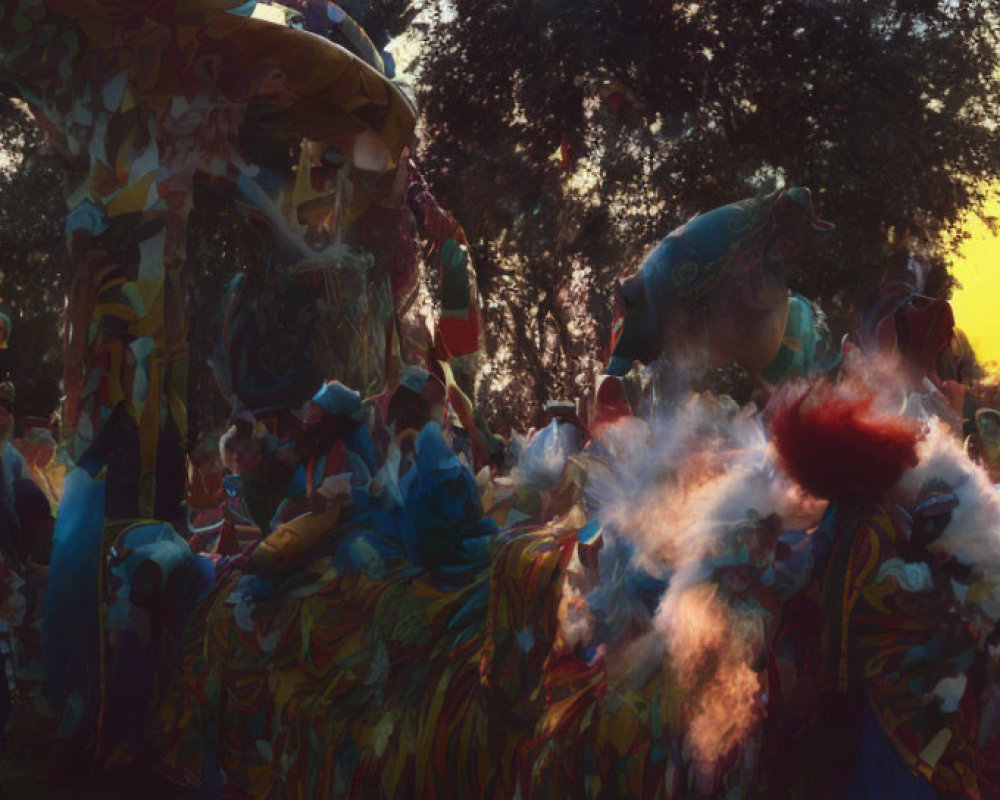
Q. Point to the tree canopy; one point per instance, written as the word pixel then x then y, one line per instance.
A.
pixel 568 138
pixel 34 264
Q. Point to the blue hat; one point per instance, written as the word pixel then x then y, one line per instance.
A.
pixel 335 398
pixel 414 378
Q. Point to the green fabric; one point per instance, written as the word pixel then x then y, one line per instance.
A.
pixel 797 355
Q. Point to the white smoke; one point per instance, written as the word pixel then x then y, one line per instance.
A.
pixel 972 536
pixel 674 502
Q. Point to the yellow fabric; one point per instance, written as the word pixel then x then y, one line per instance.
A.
pixel 284 546
pixel 50 479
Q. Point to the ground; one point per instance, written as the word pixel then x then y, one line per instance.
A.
pixel 31 779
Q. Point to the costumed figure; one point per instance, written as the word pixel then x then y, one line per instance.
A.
pixel 166 97
pixel 205 93
pixel 984 443
pixel 41 453
pixel 458 330
pixel 713 280
pixel 409 574
pixel 5 328
pixel 12 468
pixel 14 463
pixel 910 598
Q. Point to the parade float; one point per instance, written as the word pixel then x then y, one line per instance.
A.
pixel 680 598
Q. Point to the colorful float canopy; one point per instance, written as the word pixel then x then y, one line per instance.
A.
pixel 283 85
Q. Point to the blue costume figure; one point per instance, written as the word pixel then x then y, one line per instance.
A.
pixel 715 291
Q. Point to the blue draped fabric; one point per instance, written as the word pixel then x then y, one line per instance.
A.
pixel 880 773
pixel 71 634
pixel 154 582
pixel 445 518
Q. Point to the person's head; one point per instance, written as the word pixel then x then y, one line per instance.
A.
pixel 205 456
pixel 40 447
pixel 334 412
pixel 417 400
pixel 988 426
pixel 240 449
pixel 321 429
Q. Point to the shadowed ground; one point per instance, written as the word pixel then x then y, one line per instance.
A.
pixel 30 778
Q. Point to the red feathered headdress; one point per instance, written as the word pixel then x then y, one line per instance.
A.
pixel 831 441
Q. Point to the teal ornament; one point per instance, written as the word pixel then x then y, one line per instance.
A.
pixel 336 399
pixel 801 351
pixel 86 217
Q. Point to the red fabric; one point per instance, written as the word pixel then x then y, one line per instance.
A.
pixel 566 155
pixel 458 336
pixel 831 441
pixel 617 326
pixel 920 331
pixel 610 402
pixel 228 544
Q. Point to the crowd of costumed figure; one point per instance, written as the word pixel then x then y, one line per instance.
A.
pixel 366 592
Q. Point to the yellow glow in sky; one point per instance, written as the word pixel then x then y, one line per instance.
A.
pixel 977 303
pixel 276 14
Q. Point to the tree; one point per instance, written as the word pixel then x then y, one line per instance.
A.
pixel 35 271
pixel 34 263
pixel 570 137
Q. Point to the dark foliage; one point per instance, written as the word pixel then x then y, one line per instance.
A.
pixel 884 109
pixel 563 178
pixel 34 265
pixel 222 241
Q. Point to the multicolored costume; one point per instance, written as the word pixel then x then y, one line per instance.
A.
pixel 647 628
pixel 166 96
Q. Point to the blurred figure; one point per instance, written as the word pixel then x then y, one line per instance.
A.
pixel 44 467
pixel 260 469
pixel 983 442
pixel 38 523
pixel 12 467
pixel 15 465
pixel 5 328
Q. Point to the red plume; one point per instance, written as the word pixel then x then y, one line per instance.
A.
pixel 831 441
